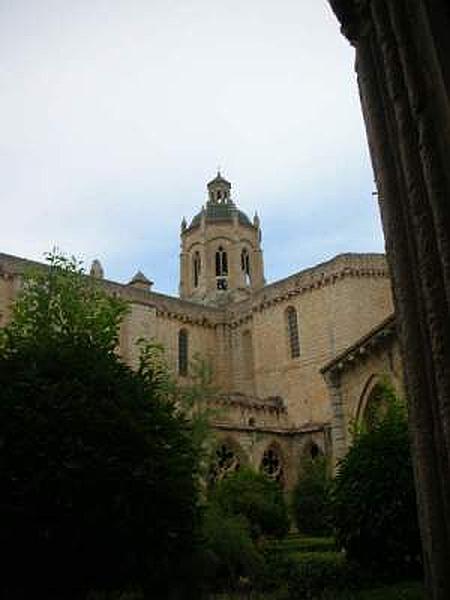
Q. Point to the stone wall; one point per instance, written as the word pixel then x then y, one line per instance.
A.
pixel 336 303
pixel 354 374
pixel 267 396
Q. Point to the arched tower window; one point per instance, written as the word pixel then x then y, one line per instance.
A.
pixel 292 331
pixel 197 265
pixel 221 268
pixel 245 265
pixel 183 352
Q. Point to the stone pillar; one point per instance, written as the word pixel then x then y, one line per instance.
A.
pixel 403 67
pixel 338 426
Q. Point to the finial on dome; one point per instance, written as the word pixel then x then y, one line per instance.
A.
pixel 183 224
pixel 96 269
pixel 256 222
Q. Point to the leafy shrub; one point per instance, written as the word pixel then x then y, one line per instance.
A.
pixel 255 497
pixel 374 497
pixel 311 498
pixel 298 543
pixel 230 553
pixel 99 487
pixel 317 573
pixel 307 575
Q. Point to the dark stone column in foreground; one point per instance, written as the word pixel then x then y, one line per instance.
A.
pixel 403 68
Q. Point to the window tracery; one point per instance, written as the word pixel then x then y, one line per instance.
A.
pixel 225 462
pixel 272 465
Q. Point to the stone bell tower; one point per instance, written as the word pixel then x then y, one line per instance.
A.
pixel 221 258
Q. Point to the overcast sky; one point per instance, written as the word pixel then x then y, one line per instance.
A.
pixel 115 113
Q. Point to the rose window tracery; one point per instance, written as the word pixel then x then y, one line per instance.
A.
pixel 226 461
pixel 272 465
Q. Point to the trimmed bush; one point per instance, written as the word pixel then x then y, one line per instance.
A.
pixel 255 497
pixel 310 504
pixel 230 553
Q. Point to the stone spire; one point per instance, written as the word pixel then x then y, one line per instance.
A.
pixel 141 282
pixel 96 269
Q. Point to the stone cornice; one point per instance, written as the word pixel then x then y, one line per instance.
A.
pixel 363 347
pixel 322 275
pixel 165 306
pixel 272 404
pixel 232 315
pixel 287 431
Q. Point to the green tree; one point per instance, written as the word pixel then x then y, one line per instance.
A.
pixel 256 498
pixel 99 470
pixel 59 303
pixel 374 498
pixel 311 504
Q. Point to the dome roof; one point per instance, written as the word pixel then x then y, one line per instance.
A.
pixel 221 212
pixel 220 206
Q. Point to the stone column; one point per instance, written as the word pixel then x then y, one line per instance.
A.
pixel 338 426
pixel 403 67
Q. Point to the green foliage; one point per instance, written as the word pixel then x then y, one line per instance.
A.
pixel 311 498
pixel 241 510
pixel 99 470
pixel 316 574
pixel 57 304
pixel 192 399
pixel 374 497
pixel 230 554
pixel 255 497
pixel 295 543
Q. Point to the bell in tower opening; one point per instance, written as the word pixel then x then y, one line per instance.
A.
pixel 221 258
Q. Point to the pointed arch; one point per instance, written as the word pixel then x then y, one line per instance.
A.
pixel 196 268
pixel 228 457
pixel 273 464
pixel 245 265
pixel 312 450
pixel 221 262
pixel 221 268
pixel 372 401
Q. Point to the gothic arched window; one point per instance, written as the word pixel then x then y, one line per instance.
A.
pixel 183 352
pixel 272 464
pixel 221 262
pixel 245 265
pixel 292 331
pixel 221 268
pixel 197 265
pixel 225 462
